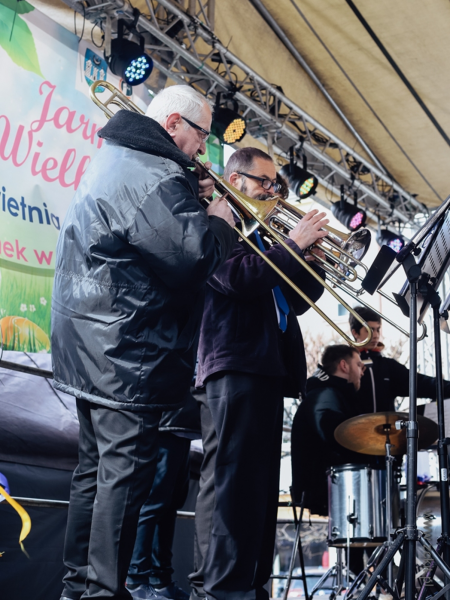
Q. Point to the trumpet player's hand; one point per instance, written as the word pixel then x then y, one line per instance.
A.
pixel 219 208
pixel 309 229
pixel 316 253
pixel 205 183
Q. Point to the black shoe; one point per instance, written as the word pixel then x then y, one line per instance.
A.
pixel 173 592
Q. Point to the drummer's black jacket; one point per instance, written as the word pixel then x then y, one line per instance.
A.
pixel 385 379
pixel 329 401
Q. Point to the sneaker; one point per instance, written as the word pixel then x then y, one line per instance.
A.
pixel 173 592
pixel 145 592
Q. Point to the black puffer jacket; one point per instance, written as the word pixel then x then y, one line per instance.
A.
pixel 133 255
pixel 329 401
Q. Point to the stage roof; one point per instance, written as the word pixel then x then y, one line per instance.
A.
pixel 335 44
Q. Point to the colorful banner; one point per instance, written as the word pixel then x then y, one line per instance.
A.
pixel 48 128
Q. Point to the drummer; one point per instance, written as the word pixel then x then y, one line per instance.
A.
pixel 331 398
pixel 385 378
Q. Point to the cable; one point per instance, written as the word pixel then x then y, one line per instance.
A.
pixel 364 100
pixel 75 22
pixel 92 35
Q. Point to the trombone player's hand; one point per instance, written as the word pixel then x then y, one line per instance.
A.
pixel 205 183
pixel 309 229
pixel 219 208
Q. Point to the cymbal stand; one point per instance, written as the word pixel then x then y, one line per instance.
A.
pixel 378 553
pixel 336 571
pixel 389 471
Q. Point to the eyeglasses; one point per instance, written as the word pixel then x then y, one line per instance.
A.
pixel 266 184
pixel 205 133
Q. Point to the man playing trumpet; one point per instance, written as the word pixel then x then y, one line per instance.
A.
pixel 250 356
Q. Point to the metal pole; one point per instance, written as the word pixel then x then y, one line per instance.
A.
pixel 389 460
pixel 442 446
pixel 411 440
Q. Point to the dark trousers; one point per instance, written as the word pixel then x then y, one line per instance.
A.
pixel 117 460
pixel 206 499
pixel 247 413
pixel 152 554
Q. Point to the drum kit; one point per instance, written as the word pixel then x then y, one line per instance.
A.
pixel 364 500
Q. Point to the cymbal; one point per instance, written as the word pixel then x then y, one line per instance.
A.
pixel 367 433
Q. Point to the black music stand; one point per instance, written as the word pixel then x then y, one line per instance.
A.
pixel 423 244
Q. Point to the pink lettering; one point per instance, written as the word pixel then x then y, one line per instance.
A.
pixel 43 256
pixel 20 252
pixel 20 149
pixel 49 164
pixel 8 249
pixel 34 169
pixel 43 119
pixel 81 170
pixel 66 164
pixel 68 122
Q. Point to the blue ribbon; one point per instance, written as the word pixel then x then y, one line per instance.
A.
pixel 283 306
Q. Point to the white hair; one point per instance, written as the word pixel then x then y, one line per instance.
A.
pixel 181 99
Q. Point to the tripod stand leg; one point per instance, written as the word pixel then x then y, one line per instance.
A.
pixel 429 574
pixel 382 566
pixel 429 548
pixel 366 571
pixel 297 547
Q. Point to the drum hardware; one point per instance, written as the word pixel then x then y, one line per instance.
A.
pixel 337 571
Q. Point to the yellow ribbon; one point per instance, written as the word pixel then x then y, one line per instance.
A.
pixel 26 521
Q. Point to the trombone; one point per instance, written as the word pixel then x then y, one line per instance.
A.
pixel 254 214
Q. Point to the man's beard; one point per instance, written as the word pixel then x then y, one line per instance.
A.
pixel 258 196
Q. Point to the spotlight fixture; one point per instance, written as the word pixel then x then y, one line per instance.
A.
pixel 348 214
pixel 228 125
pixel 388 238
pixel 302 183
pixel 128 59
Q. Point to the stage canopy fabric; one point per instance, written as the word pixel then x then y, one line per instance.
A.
pixel 333 41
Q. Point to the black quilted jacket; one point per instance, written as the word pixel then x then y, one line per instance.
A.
pixel 133 256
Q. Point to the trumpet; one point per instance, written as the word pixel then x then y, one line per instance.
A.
pixel 273 217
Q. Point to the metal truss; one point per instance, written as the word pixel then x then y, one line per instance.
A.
pixel 184 48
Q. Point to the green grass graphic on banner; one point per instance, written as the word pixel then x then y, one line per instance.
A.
pixel 25 311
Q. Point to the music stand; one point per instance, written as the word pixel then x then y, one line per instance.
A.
pixel 435 231
pixel 419 237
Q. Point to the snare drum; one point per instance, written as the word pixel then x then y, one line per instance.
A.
pixel 356 505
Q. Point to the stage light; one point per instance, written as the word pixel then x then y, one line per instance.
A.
pixel 388 238
pixel 228 125
pixel 350 215
pixel 302 183
pixel 128 59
